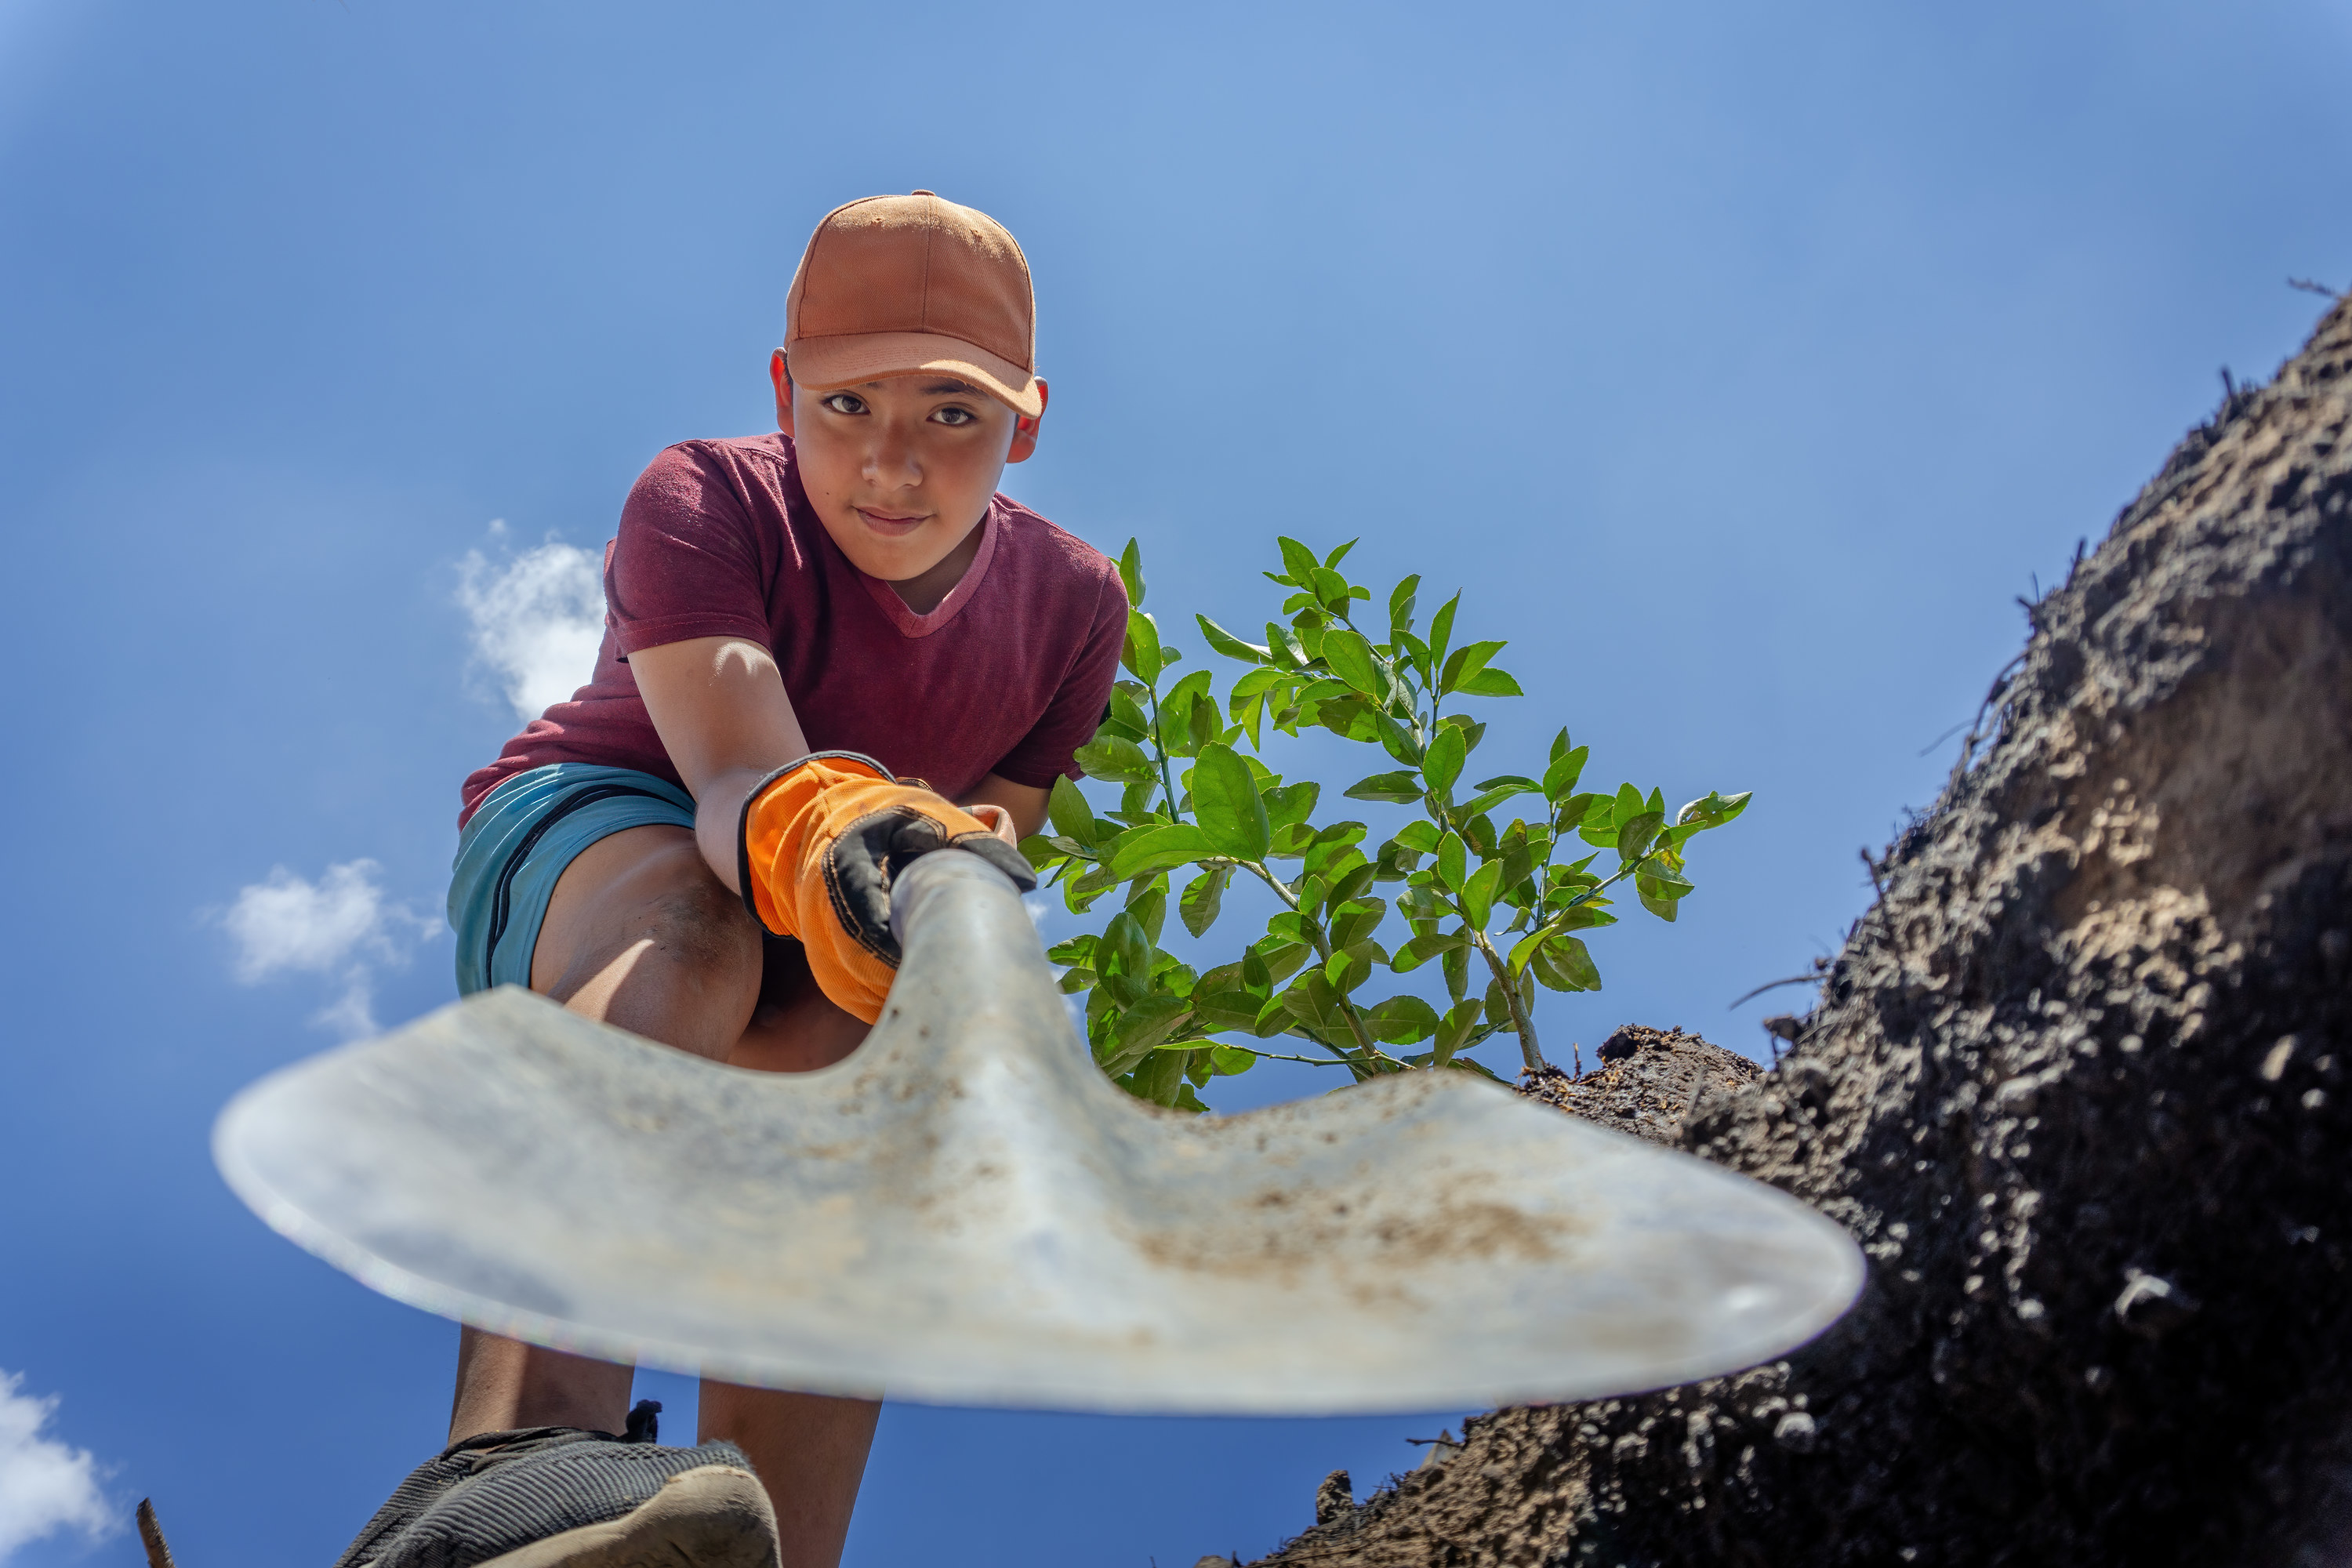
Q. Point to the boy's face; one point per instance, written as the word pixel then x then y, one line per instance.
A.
pixel 901 470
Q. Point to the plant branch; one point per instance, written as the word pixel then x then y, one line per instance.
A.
pixel 1525 1027
pixel 1160 748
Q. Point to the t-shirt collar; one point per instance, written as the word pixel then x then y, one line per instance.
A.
pixel 913 625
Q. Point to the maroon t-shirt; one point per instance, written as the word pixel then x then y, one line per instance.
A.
pixel 1009 675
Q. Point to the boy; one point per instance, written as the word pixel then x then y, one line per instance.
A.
pixel 785 615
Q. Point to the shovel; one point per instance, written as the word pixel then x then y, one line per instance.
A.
pixel 965 1211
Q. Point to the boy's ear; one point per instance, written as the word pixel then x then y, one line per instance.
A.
pixel 780 376
pixel 1025 429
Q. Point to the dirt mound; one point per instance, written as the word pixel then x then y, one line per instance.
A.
pixel 2075 1084
pixel 1647 1081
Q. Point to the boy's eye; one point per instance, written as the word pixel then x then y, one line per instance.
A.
pixel 954 416
pixel 845 403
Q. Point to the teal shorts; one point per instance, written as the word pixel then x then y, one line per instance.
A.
pixel 518 843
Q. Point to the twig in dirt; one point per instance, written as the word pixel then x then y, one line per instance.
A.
pixel 1937 742
pixel 1820 966
pixel 1992 695
pixel 2308 287
pixel 150 1535
pixel 1875 880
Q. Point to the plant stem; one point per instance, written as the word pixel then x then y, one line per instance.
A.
pixel 1526 1025
pixel 1160 745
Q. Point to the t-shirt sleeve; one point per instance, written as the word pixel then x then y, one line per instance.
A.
pixel 685 564
pixel 1076 709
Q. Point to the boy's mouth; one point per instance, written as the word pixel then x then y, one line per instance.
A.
pixel 890 525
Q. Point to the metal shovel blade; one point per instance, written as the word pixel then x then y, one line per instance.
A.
pixel 965 1211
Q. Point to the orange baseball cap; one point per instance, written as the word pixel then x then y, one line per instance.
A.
pixel 893 285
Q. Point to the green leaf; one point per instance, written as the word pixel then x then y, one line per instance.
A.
pixel 1634 836
pixel 1442 764
pixel 1140 1029
pixel 1668 880
pixel 1355 919
pixel 1147 900
pixel 1227 1009
pixel 1204 895
pixel 1126 709
pixel 1456 966
pixel 1298 562
pixel 1425 947
pixel 1283 644
pixel 1126 949
pixel 1340 555
pixel 1157 1077
pixel 1290 805
pixel 1420 833
pixel 1452 859
pixel 1402 788
pixel 1559 779
pixel 1465 662
pixel 1656 902
pixel 1490 682
pixel 1115 759
pixel 1141 653
pixel 1225 800
pixel 1231 1061
pixel 1291 841
pixel 1069 813
pixel 1563 964
pixel 1400 600
pixel 1331 589
pixel 1043 853
pixel 1478 895
pixel 1201 725
pixel 1453 1030
pixel 1353 964
pixel 1078 951
pixel 1712 810
pixel 1131 574
pixel 1226 642
pixel 1079 895
pixel 1441 629
pixel 1350 658
pixel 1516 784
pixel 1140 851
pixel 1402 1021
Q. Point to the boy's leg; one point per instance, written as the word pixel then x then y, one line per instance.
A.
pixel 639 934
pixel 814 1444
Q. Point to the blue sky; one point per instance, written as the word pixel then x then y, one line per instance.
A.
pixel 1744 365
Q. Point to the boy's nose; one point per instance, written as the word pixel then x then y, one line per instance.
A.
pixel 891 461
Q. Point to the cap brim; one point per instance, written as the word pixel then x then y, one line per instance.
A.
pixel 823 364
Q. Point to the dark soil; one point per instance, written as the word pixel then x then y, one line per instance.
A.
pixel 2075 1083
pixel 1647 1083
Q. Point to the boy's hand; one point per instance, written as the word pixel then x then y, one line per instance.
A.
pixel 818 845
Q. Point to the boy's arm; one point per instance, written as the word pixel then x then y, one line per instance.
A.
pixel 719 706
pixel 1023 803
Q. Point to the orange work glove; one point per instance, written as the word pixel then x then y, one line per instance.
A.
pixel 818 847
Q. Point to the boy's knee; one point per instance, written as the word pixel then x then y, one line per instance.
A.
pixel 699 923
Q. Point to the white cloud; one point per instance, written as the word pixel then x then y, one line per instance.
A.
pixel 538 619
pixel 341 925
pixel 45 1486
